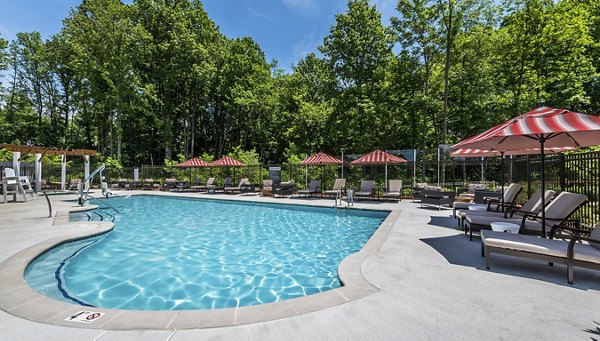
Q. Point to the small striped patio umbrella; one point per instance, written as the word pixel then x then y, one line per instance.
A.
pixel 379 157
pixel 192 163
pixel 540 128
pixel 227 161
pixel 317 159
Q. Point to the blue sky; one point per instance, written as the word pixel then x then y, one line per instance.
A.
pixel 286 30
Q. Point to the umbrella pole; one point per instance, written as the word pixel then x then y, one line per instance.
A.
pixel 502 177
pixel 342 165
pixel 386 180
pixel 543 179
pixel 305 176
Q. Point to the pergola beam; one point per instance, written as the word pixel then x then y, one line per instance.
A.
pixel 20 152
pixel 47 150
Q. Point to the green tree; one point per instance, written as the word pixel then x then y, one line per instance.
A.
pixel 358 49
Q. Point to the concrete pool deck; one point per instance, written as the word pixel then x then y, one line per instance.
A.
pixel 426 280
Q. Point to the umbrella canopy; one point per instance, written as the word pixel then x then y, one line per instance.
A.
pixel 541 128
pixel 227 161
pixel 194 162
pixel 556 128
pixel 379 157
pixel 469 152
pixel 321 159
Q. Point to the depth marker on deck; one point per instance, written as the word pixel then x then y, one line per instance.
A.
pixel 85 316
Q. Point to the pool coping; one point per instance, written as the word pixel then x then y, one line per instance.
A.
pixel 19 299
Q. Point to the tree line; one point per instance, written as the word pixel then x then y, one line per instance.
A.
pixel 156 80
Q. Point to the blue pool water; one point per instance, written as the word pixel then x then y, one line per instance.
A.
pixel 182 254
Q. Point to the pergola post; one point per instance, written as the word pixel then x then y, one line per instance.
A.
pixel 63 172
pixel 86 171
pixel 38 172
pixel 17 163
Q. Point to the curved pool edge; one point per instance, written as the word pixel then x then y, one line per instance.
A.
pixel 19 299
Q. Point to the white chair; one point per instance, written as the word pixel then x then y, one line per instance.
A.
pixel 12 184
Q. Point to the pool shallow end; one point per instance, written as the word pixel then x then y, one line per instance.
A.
pixel 17 298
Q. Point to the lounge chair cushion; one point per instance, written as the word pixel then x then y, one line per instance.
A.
pixel 461 205
pixel 551 247
pixel 339 184
pixel 586 253
pixel 533 244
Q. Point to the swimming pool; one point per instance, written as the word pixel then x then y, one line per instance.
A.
pixel 186 254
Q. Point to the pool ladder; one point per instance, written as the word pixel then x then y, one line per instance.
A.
pixel 349 199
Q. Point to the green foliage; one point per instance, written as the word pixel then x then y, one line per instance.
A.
pixel 156 80
pixel 5 155
pixel 249 157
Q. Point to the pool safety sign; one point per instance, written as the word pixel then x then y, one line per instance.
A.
pixel 85 316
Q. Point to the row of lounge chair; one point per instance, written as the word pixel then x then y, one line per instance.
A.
pixel 366 189
pixel 565 243
pixel 287 188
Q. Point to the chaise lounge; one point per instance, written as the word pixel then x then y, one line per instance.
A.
pixel 313 187
pixel 579 251
pixel 479 197
pixel 532 206
pixel 338 186
pixel 238 188
pixel 558 211
pixel 394 191
pixel 366 189
pixel 209 184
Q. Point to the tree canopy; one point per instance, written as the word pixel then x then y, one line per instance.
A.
pixel 147 81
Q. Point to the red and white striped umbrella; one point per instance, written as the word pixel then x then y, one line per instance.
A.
pixel 378 157
pixel 556 128
pixel 321 159
pixel 318 159
pixel 192 163
pixel 227 161
pixel 541 128
pixel 469 152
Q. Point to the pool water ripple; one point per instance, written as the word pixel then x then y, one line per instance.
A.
pixel 182 254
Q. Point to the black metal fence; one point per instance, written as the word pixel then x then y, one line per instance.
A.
pixel 578 173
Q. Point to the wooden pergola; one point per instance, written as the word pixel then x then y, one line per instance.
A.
pixel 20 152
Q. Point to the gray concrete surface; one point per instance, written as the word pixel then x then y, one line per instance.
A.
pixel 431 280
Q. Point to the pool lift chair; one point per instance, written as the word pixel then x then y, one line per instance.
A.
pixel 105 190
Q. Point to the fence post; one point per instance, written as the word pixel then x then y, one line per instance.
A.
pixel 562 175
pixel 528 176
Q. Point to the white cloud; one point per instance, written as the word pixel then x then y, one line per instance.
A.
pixel 307 6
pixel 305 46
pixel 255 12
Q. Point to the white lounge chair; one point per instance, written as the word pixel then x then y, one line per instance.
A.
pixel 338 186
pixel 557 211
pixel 510 197
pixel 394 191
pixel 238 188
pixel 209 184
pixel 366 189
pixel 577 252
pixel 532 206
